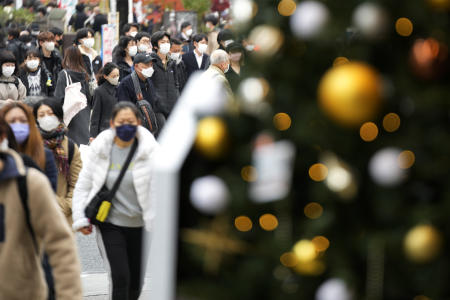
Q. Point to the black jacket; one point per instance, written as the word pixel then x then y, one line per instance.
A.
pixel 124 68
pixel 77 20
pixel 47 88
pixel 105 97
pixel 166 84
pixel 181 75
pixel 95 66
pixel 191 63
pixel 18 49
pixel 127 92
pixel 79 126
pixel 55 57
pixel 99 20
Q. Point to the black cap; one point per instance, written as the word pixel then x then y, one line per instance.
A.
pixel 144 58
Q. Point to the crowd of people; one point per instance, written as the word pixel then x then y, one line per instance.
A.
pixel 122 107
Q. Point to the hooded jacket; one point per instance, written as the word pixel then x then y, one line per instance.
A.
pixel 21 276
pixel 166 84
pixel 95 169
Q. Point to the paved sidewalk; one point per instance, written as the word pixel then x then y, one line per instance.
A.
pixel 96 286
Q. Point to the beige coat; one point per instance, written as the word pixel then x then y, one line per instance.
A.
pixel 64 190
pixel 21 275
pixel 10 91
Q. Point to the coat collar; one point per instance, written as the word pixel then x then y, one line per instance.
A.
pixel 103 143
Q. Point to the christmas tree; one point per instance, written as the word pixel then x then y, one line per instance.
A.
pixel 331 182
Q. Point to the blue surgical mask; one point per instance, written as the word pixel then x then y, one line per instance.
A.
pixel 126 132
pixel 21 131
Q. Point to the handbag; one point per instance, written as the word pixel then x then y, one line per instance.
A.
pixel 74 99
pixel 98 208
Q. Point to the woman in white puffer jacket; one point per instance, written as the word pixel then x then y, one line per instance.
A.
pixel 120 237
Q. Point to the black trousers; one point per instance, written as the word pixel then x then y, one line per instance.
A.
pixel 123 247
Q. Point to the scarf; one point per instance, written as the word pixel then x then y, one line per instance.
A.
pixel 53 140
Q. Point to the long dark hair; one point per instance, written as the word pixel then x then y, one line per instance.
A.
pixel 73 60
pixel 105 71
pixel 53 103
pixel 122 46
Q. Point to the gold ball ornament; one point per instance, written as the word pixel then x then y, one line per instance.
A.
pixel 422 243
pixel 350 93
pixel 212 137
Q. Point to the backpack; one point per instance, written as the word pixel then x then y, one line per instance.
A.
pixel 145 108
pixel 23 192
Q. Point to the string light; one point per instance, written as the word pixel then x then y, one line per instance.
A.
pixel 340 61
pixel 368 131
pixel 321 243
pixel 318 172
pixel 286 7
pixel 404 27
pixel 391 122
pixel 313 210
pixel 282 121
pixel 288 259
pixel 248 173
pixel 406 159
pixel 268 222
pixel 243 223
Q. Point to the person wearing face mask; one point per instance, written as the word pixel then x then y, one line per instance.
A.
pixel 49 116
pixel 120 236
pixel 35 76
pixel 185 32
pixel 49 55
pixel 59 35
pixel 127 91
pixel 197 59
pixel 28 138
pixel 11 87
pixel 220 64
pixel 105 97
pixel 92 60
pixel 42 230
pixel 123 56
pixel 164 78
pixel 180 67
pixel 15 45
pixel 143 42
pixel 236 52
pixel 225 38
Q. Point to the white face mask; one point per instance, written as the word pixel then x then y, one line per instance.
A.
pixel 143 48
pixel 48 123
pixel 132 51
pixel 33 64
pixel 202 48
pixel 113 80
pixel 250 47
pixel 189 32
pixel 148 72
pixel 89 42
pixel 4 145
pixel 49 46
pixel 8 71
pixel 164 48
pixel 175 56
pixel 227 42
pixel 133 33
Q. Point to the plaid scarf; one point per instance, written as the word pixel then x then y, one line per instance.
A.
pixel 53 140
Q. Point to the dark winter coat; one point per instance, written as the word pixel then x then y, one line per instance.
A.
pixel 95 66
pixel 191 63
pixel 57 64
pixel 18 49
pixel 166 84
pixel 46 90
pixel 79 126
pixel 105 97
pixel 77 20
pixel 124 68
pixel 181 75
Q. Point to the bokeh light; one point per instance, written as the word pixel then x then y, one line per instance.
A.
pixel 321 243
pixel 251 90
pixel 305 251
pixel 269 40
pixel 268 222
pixel 313 210
pixel 282 121
pixel 406 159
pixel 368 131
pixel 391 122
pixel 404 27
pixel 243 223
pixel 243 10
pixel 341 60
pixel 288 259
pixel 286 7
pixel 421 297
pixel 248 173
pixel 318 172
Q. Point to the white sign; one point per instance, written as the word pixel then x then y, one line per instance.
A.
pixel 109 41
